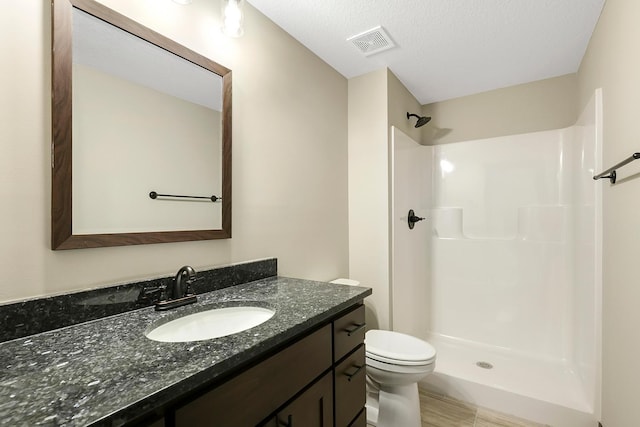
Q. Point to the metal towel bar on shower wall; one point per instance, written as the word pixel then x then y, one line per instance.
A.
pixel 612 171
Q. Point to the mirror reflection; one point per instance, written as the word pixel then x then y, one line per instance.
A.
pixel 135 113
pixel 144 120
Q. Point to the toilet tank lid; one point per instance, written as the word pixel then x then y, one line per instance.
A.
pixel 398 346
pixel 349 282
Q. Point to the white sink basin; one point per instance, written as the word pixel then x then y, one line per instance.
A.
pixel 214 323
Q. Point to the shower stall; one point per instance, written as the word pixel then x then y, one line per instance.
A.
pixel 504 275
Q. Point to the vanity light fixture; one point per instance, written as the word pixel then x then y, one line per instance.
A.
pixel 232 17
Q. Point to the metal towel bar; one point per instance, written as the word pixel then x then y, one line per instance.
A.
pixel 612 171
pixel 155 195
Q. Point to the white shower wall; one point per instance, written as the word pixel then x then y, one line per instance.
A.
pixel 587 250
pixel 506 268
pixel 501 268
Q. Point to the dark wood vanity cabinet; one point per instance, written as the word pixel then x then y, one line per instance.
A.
pixel 349 369
pixel 318 381
pixel 247 399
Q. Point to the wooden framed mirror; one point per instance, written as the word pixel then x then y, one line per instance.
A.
pixel 135 113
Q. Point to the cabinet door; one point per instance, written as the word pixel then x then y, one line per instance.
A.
pixel 361 420
pixel 313 408
pixel 350 387
pixel 157 423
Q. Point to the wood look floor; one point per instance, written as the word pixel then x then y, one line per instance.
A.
pixel 442 411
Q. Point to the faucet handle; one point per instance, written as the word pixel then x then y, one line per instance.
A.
pixel 152 294
pixel 190 282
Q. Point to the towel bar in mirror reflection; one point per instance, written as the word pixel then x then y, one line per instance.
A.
pixel 154 195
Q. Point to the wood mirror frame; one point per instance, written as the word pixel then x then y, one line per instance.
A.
pixel 62 236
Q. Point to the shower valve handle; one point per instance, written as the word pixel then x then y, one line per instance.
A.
pixel 412 219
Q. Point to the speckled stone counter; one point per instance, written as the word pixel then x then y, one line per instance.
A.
pixel 106 372
pixel 58 311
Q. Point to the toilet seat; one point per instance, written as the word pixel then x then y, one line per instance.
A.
pixel 395 368
pixel 390 361
pixel 398 349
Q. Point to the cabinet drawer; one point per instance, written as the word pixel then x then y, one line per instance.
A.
pixel 248 398
pixel 348 332
pixel 350 387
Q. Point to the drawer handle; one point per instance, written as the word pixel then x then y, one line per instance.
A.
pixel 356 372
pixel 355 329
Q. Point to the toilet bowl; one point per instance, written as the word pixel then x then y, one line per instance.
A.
pixel 395 363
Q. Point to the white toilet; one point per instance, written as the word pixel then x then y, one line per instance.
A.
pixel 395 363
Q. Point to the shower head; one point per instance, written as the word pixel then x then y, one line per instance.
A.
pixel 421 119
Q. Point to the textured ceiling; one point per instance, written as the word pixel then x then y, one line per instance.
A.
pixel 446 48
pixel 107 48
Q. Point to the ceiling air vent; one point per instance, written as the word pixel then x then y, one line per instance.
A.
pixel 372 41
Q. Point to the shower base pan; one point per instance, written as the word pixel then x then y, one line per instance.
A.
pixel 543 391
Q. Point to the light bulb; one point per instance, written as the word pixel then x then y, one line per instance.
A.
pixel 232 17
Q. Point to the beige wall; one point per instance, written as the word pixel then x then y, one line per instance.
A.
pixel 612 62
pixel 289 155
pixel 368 195
pixel 400 101
pixel 542 105
pixel 377 101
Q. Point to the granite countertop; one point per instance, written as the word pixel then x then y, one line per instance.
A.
pixel 106 372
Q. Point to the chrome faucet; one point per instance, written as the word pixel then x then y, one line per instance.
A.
pixel 179 292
